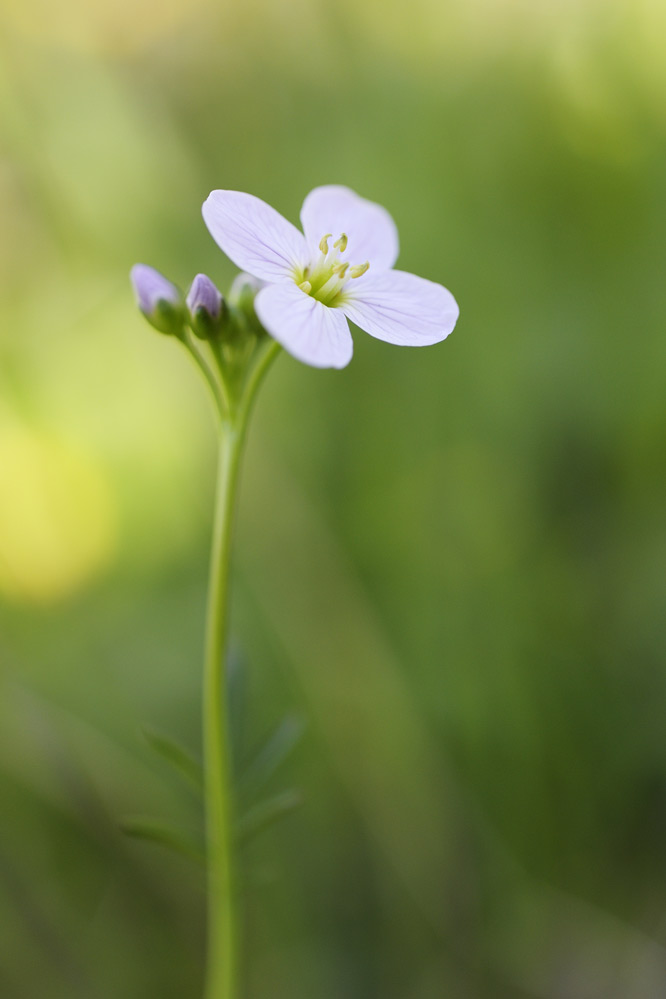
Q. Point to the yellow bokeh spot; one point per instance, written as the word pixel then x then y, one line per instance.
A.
pixel 103 26
pixel 57 522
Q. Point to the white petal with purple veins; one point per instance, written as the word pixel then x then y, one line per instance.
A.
pixel 252 234
pixel 310 331
pixel 371 232
pixel 401 308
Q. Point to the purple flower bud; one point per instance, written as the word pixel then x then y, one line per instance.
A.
pixel 204 295
pixel 159 300
pixel 207 308
pixel 151 286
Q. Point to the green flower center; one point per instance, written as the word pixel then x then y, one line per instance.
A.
pixel 326 278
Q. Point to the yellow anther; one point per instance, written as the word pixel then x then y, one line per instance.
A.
pixel 340 269
pixel 323 242
pixel 341 244
pixel 361 269
pixel 306 287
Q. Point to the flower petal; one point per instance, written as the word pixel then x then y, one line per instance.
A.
pixel 371 232
pixel 252 234
pixel 401 308
pixel 312 332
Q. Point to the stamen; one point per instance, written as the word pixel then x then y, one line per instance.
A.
pixel 325 277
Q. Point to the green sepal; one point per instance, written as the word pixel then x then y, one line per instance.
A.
pixel 167 317
pixel 206 326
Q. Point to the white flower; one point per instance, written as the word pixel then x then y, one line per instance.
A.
pixel 342 268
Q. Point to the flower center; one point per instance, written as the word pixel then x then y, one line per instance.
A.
pixel 325 278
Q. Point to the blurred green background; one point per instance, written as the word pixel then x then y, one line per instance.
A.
pixel 450 562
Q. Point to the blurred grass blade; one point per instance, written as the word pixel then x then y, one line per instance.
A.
pixel 180 758
pixel 163 834
pixel 272 755
pixel 266 813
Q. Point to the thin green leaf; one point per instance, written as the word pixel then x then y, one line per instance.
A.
pixel 162 834
pixel 266 813
pixel 180 758
pixel 272 755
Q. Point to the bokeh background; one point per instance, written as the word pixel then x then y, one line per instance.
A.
pixel 450 562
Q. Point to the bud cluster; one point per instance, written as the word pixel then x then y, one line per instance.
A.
pixel 204 310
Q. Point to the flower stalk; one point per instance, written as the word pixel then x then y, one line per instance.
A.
pixel 222 951
pixel 221 946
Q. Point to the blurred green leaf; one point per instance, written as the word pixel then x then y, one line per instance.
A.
pixel 180 758
pixel 272 755
pixel 266 813
pixel 163 834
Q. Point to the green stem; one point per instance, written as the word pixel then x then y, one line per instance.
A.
pixel 221 966
pixel 221 971
pixel 216 386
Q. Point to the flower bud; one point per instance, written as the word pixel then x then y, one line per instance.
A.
pixel 242 294
pixel 159 300
pixel 206 306
pixel 243 291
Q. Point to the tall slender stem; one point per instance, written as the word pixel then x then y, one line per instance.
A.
pixel 221 962
pixel 221 970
